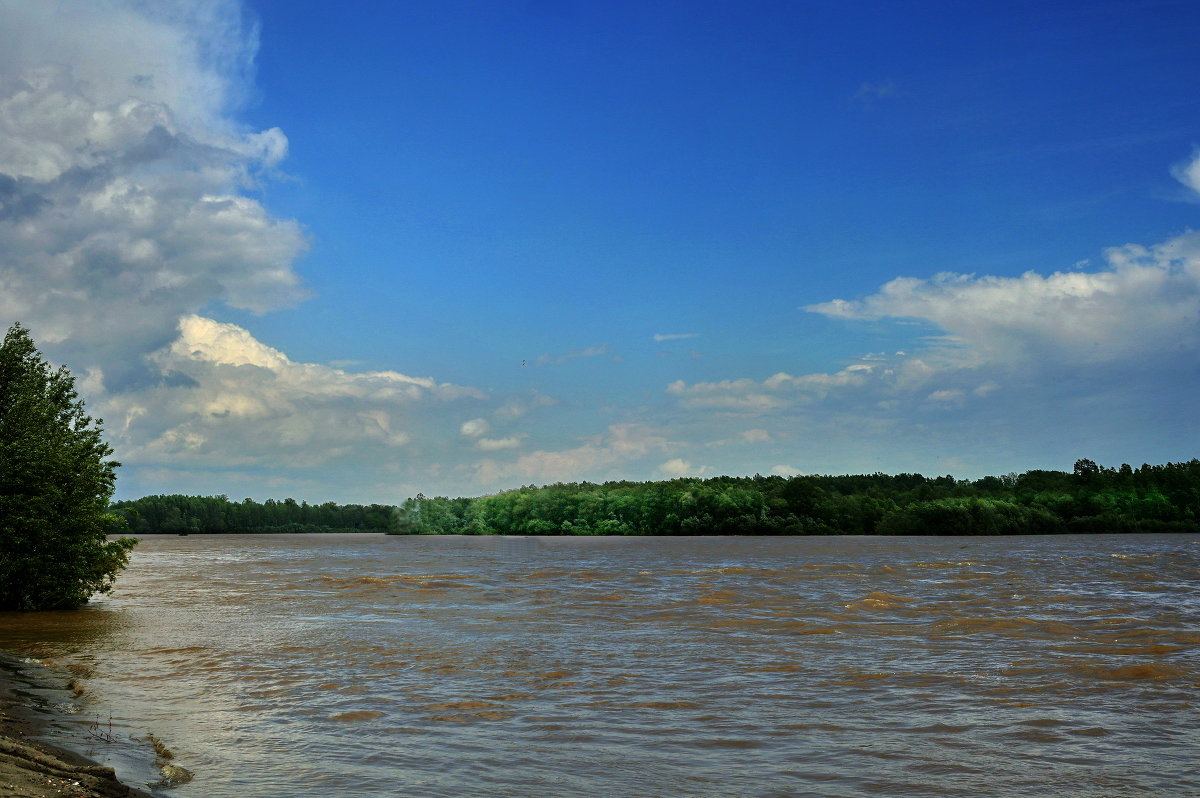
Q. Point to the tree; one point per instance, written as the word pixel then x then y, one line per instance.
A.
pixel 55 484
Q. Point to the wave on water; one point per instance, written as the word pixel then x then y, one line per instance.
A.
pixel 444 667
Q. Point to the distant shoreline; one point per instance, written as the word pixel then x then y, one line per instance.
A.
pixel 1089 499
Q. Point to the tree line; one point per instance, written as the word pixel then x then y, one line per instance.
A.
pixel 56 480
pixel 1091 498
pixel 179 514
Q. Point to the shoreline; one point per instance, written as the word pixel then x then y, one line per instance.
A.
pixel 30 768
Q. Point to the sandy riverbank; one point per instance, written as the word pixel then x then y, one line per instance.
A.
pixel 32 769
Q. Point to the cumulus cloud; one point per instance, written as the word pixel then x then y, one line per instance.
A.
pixel 519 406
pixel 124 183
pixel 474 428
pixel 1140 314
pixel 1144 304
pixel 678 467
pixel 753 397
pixel 595 458
pixel 232 400
pixel 1079 360
pixel 1188 172
pixel 128 205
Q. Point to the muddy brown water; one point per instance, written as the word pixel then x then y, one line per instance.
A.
pixel 365 665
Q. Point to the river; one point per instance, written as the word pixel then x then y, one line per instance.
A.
pixel 367 665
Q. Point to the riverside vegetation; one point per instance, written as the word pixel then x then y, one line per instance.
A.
pixel 179 514
pixel 1092 498
pixel 55 484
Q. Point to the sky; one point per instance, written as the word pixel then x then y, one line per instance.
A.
pixel 354 252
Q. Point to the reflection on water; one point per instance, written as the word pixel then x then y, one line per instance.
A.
pixel 362 665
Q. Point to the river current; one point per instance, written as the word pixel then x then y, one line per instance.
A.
pixel 366 665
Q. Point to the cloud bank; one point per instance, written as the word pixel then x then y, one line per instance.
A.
pixel 1144 305
pixel 1137 317
pixel 232 400
pixel 127 207
pixel 601 456
pixel 1012 368
pixel 124 184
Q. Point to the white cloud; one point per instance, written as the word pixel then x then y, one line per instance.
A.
pixel 123 179
pixel 519 406
pixel 620 446
pixel 1012 368
pixel 678 467
pixel 786 471
pixel 229 399
pixel 1139 315
pixel 751 397
pixel 1126 312
pixel 193 56
pixel 474 428
pixel 555 360
pixel 496 444
pixel 745 437
pixel 674 336
pixel 127 207
pixel 1188 172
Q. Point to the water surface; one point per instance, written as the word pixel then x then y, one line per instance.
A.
pixel 365 665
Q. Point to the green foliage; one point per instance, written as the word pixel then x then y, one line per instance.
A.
pixel 177 514
pixel 55 483
pixel 968 516
pixel 1089 499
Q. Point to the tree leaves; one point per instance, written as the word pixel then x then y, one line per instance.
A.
pixel 55 484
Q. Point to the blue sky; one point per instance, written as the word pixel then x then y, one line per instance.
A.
pixel 355 253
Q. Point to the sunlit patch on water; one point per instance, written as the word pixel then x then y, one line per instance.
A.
pixel 879 600
pixel 371 666
pixel 358 715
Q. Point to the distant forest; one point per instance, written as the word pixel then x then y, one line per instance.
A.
pixel 176 514
pixel 1092 498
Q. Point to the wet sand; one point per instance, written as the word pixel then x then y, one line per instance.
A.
pixel 32 769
